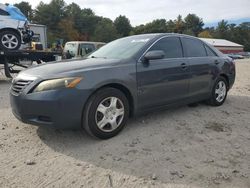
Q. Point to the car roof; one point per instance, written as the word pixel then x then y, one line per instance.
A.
pixel 158 35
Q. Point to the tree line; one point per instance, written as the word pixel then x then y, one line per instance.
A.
pixel 71 22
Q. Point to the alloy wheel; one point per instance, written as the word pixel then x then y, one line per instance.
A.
pixel 220 91
pixel 109 114
pixel 9 41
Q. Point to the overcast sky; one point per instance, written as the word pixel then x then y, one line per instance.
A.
pixel 143 11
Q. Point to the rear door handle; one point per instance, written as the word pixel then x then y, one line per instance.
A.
pixel 184 66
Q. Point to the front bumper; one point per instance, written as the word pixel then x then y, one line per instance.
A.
pixel 56 108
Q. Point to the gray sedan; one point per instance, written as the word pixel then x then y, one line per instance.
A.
pixel 126 77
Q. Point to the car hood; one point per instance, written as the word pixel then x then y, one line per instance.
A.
pixel 67 68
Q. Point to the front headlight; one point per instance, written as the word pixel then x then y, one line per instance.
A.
pixel 58 84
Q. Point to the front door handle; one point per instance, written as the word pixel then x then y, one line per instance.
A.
pixel 216 62
pixel 184 66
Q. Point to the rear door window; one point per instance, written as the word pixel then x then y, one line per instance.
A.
pixel 170 45
pixel 194 47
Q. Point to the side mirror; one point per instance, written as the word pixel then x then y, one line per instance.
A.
pixel 155 54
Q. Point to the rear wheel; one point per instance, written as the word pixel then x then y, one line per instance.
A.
pixel 219 92
pixel 10 40
pixel 106 113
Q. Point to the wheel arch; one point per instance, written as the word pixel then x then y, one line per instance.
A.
pixel 11 29
pixel 226 78
pixel 125 91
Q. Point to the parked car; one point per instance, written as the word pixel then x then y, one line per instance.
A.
pixel 235 56
pixel 245 54
pixel 76 49
pixel 14 29
pixel 126 77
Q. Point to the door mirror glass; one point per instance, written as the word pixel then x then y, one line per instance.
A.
pixel 155 54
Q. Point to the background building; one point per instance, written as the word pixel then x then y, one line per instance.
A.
pixel 224 46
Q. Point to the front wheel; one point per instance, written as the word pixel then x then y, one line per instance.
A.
pixel 219 92
pixel 10 40
pixel 106 113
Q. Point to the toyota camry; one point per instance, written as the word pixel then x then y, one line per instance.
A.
pixel 124 78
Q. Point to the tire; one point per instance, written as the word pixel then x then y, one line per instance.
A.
pixel 220 88
pixel 10 40
pixel 105 113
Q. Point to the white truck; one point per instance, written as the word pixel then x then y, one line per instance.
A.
pixel 40 34
pixel 77 49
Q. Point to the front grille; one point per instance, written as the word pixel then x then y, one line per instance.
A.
pixel 19 85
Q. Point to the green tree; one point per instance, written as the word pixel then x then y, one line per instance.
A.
pixel 122 25
pixel 84 20
pixel 138 29
pixel 105 31
pixel 188 32
pixel 170 26
pixel 194 24
pixel 73 10
pixel 179 25
pixel 212 31
pixel 74 17
pixel 205 34
pixel 68 33
pixel 222 30
pixel 87 25
pixel 50 15
pixel 87 12
pixel 242 35
pixel 156 26
pixel 25 8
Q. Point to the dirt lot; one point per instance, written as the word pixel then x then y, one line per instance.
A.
pixel 201 146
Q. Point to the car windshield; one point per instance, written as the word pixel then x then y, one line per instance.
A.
pixel 122 48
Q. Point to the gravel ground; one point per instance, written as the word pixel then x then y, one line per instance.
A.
pixel 199 146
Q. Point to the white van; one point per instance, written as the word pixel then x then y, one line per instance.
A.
pixel 76 49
